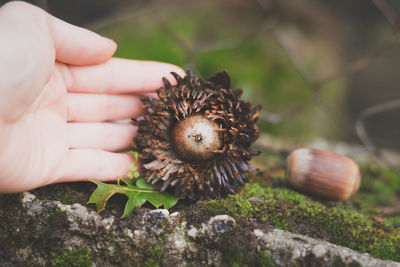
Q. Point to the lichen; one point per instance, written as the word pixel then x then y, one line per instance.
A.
pixel 286 209
pixel 39 228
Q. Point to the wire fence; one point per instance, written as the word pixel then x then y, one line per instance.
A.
pixel 269 24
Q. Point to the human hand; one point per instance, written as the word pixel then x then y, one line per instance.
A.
pixel 60 89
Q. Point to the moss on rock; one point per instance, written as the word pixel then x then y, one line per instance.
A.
pixel 41 231
pixel 344 223
pixel 66 193
pixel 75 257
pixel 379 194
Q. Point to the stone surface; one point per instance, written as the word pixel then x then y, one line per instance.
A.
pixel 298 247
pixel 57 234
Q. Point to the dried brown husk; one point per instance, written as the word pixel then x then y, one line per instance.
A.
pixel 211 179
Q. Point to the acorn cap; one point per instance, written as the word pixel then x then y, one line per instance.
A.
pixel 194 141
pixel 323 173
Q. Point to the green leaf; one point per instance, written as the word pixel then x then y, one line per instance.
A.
pixel 134 170
pixel 142 184
pixel 100 196
pixel 134 201
pixel 137 195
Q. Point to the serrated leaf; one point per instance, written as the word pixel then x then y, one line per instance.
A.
pixel 137 195
pixel 102 193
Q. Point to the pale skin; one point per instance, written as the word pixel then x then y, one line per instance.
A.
pixel 60 94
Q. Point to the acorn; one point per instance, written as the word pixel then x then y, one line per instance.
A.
pixel 323 173
pixel 194 141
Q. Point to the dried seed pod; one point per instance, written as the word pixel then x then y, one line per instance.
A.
pixel 195 140
pixel 323 173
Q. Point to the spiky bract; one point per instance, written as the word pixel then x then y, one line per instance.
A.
pixel 185 174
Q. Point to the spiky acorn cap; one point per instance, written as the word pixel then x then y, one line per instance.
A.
pixel 194 141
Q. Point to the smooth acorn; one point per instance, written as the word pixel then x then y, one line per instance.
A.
pixel 196 138
pixel 323 173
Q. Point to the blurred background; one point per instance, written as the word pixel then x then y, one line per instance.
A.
pixel 319 68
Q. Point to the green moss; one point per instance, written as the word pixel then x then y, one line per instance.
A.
pixel 380 188
pixel 150 254
pixel 286 209
pixel 266 260
pixel 393 221
pixel 153 256
pixel 74 257
pixel 13 225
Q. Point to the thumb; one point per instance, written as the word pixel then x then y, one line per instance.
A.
pixel 78 46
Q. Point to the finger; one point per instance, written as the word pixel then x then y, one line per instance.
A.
pixel 73 45
pixel 85 164
pixel 104 136
pixel 94 107
pixel 121 76
pixel 152 95
pixel 79 46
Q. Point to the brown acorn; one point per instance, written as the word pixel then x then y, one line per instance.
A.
pixel 323 173
pixel 194 141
